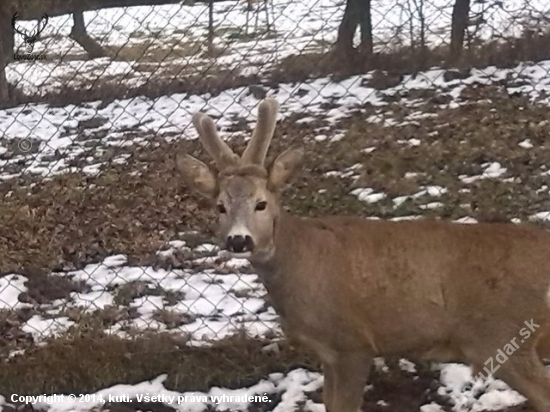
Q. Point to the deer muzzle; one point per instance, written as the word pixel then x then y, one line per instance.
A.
pixel 240 244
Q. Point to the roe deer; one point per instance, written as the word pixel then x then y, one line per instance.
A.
pixel 352 289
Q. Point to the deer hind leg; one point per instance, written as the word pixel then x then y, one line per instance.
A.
pixel 345 379
pixel 543 347
pixel 524 372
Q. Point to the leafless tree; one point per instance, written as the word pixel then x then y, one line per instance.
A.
pixel 461 12
pixel 357 13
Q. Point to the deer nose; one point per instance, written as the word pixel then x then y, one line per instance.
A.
pixel 239 244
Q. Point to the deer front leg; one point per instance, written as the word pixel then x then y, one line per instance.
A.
pixel 328 386
pixel 345 379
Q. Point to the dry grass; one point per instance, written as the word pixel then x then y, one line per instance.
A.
pixel 502 53
pixel 209 77
pixel 160 82
pixel 74 219
pixel 88 360
pixel 148 51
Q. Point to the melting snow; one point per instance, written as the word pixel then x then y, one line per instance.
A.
pixel 11 286
pixel 491 171
pixel 526 144
pixel 368 195
pixel 53 130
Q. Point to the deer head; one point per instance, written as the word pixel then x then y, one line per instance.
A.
pixel 245 191
pixel 30 38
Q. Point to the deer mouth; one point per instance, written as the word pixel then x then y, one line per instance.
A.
pixel 240 255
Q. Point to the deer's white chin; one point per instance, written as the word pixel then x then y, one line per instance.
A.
pixel 243 255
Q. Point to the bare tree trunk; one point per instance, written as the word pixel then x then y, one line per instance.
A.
pixel 357 12
pixel 365 22
pixel 6 36
pixel 419 6
pixel 422 18
pixel 210 25
pixel 6 53
pixel 4 87
pixel 78 34
pixel 461 12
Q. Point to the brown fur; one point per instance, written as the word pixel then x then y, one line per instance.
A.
pixel 352 289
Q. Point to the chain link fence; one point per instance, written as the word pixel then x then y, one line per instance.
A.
pixel 408 108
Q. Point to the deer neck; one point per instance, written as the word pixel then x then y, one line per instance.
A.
pixel 271 267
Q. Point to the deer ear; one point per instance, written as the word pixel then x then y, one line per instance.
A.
pixel 283 167
pixel 197 175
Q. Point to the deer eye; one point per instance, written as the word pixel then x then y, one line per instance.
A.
pixel 221 208
pixel 261 206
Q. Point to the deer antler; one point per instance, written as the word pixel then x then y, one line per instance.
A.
pixel 41 26
pixel 212 143
pixel 14 24
pixel 257 147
